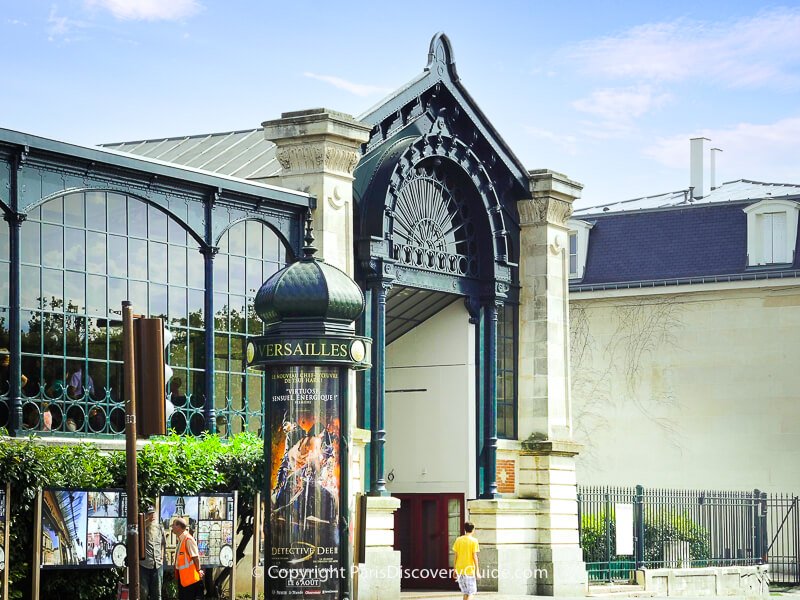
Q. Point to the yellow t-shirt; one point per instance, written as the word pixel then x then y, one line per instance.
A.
pixel 465 547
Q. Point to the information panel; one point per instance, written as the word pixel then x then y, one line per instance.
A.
pixel 303 553
pixel 83 528
pixel 211 522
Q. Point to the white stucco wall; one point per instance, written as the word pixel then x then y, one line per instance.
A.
pixel 688 389
pixel 430 434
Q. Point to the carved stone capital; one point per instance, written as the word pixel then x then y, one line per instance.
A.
pixel 540 211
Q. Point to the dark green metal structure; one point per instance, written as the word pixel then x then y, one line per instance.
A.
pixel 88 228
pixel 436 217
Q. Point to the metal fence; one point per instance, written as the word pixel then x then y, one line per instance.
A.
pixel 625 528
pixel 783 538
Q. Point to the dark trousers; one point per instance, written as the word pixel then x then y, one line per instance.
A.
pixel 150 582
pixel 193 592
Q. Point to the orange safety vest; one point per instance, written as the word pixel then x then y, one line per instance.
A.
pixel 185 566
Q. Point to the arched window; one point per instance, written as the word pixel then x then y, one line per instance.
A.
pixel 250 252
pixel 81 255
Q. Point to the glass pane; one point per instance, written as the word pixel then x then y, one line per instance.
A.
pixel 97 340
pixel 235 238
pixel 74 292
pixel 254 279
pixel 196 218
pixel 137 294
pixel 137 259
pixel 117 256
pixel 52 246
pixel 236 280
pixel 177 265
pixel 75 249
pixel 53 211
pixel 98 371
pixel 74 210
pixel 237 390
pixel 115 341
pixel 96 294
pixel 178 348
pixel 176 233
pixel 30 242
pixel 116 382
pixel 96 253
pixel 4 241
pixel 237 314
pixel 4 283
pixel 197 387
pixel 53 333
pixel 31 327
pixel 220 390
pixel 96 210
pixel 54 377
pixel 197 349
pixel 158 300
pixel 158 224
pixel 220 352
pixel 221 273
pixel 117 292
pixel 237 354
pixel 177 306
pixel 4 343
pixel 31 369
pixel 254 323
pixel 196 308
pixel 254 229
pixel 221 312
pixel 137 218
pixel 52 289
pixel 272 246
pixel 76 336
pixel 196 269
pixel 29 290
pixel 158 262
pixel 254 393
pixel 270 268
pixel 118 223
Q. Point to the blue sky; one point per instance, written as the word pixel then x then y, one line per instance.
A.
pixel 608 93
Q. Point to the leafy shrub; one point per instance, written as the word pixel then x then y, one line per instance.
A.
pixel 166 465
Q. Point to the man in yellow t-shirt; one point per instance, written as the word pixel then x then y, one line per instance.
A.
pixel 466 569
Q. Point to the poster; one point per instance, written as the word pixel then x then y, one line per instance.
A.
pixel 624 529
pixel 211 521
pixel 83 528
pixel 303 519
pixel 3 528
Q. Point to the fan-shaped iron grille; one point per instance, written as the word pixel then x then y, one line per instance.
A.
pixel 432 229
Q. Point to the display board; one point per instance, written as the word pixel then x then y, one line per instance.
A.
pixel 3 498
pixel 211 519
pixel 305 477
pixel 83 528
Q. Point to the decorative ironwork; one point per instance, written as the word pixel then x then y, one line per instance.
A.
pixel 432 228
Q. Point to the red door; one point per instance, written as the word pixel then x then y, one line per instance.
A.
pixel 425 527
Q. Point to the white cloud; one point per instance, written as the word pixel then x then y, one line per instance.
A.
pixel 762 50
pixel 567 142
pixel 620 104
pixel 763 152
pixel 62 28
pixel 354 88
pixel 147 10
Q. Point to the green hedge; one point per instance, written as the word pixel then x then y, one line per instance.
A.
pixel 169 465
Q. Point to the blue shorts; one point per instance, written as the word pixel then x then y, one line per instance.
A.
pixel 468 584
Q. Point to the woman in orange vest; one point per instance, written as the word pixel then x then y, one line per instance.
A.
pixel 188 573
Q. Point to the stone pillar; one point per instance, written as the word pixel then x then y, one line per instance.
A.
pixel 379 578
pixel 529 544
pixel 318 150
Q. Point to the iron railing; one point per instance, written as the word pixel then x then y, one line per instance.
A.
pixel 670 528
pixel 783 538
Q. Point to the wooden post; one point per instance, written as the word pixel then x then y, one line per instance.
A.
pixel 129 370
pixel 256 545
pixel 37 547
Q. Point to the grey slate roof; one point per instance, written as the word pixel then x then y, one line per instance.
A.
pixel 740 190
pixel 244 154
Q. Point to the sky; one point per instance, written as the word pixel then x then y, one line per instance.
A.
pixel 607 92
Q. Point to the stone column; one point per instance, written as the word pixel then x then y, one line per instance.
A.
pixel 318 150
pixel 547 462
pixel 379 578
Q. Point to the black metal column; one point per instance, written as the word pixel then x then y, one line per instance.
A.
pixel 209 252
pixel 490 401
pixel 378 288
pixel 15 220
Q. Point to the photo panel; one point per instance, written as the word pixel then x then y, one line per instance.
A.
pixel 172 507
